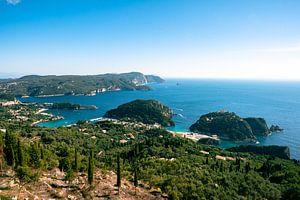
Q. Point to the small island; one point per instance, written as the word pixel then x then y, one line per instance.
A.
pixel 145 111
pixel 229 126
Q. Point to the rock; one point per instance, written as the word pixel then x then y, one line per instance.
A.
pixel 258 125
pixel 275 128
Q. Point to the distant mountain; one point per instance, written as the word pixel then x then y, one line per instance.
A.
pixel 145 111
pixel 34 85
pixel 10 75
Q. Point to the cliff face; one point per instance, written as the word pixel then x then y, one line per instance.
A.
pixel 258 125
pixel 145 111
pixel 273 150
pixel 230 126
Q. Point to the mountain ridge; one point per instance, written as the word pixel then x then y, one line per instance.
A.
pixel 53 85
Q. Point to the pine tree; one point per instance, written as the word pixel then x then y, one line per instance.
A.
pixel 118 173
pixel 91 169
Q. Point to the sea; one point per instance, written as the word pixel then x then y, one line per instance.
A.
pixel 276 101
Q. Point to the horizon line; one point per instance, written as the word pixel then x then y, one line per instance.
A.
pixel 16 75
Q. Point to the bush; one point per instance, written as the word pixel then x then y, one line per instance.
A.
pixel 24 174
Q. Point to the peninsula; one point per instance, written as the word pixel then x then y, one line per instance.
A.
pixel 230 126
pixel 44 86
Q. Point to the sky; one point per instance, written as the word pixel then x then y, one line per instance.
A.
pixel 235 39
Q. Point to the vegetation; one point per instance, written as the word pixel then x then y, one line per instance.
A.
pixel 273 150
pixel 91 169
pixel 71 106
pixel 154 159
pixel 230 126
pixel 74 85
pixel 6 97
pixel 209 141
pixel 145 111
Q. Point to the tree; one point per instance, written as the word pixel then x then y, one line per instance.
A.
pixel 247 167
pixel 76 160
pixel 42 152
pixel 1 152
pixel 118 173
pixel 10 145
pixel 12 158
pixel 136 157
pixel 34 155
pixel 91 169
pixel 135 177
pixel 20 154
pixel 69 172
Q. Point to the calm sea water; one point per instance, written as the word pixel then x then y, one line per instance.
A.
pixel 277 102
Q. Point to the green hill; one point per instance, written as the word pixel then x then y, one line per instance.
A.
pixel 230 126
pixel 145 111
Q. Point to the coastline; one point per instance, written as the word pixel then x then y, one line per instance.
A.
pixel 202 97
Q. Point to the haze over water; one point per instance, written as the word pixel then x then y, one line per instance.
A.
pixel 277 102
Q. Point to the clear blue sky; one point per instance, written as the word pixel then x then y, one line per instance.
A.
pixel 171 38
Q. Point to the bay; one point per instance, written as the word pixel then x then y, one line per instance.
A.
pixel 276 101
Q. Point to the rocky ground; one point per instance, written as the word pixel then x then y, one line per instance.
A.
pixel 51 185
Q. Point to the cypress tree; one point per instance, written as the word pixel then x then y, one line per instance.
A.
pixel 12 159
pixel 90 169
pixel 247 167
pixel 34 155
pixel 42 152
pixel 230 168
pixel 69 172
pixel 1 152
pixel 135 177
pixel 118 173
pixel 10 145
pixel 136 158
pixel 76 160
pixel 20 154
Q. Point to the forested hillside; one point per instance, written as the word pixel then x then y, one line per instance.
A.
pixel 76 85
pixel 153 160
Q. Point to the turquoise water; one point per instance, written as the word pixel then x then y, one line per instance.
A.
pixel 277 102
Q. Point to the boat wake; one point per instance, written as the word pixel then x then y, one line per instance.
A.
pixel 179 109
pixel 180 115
